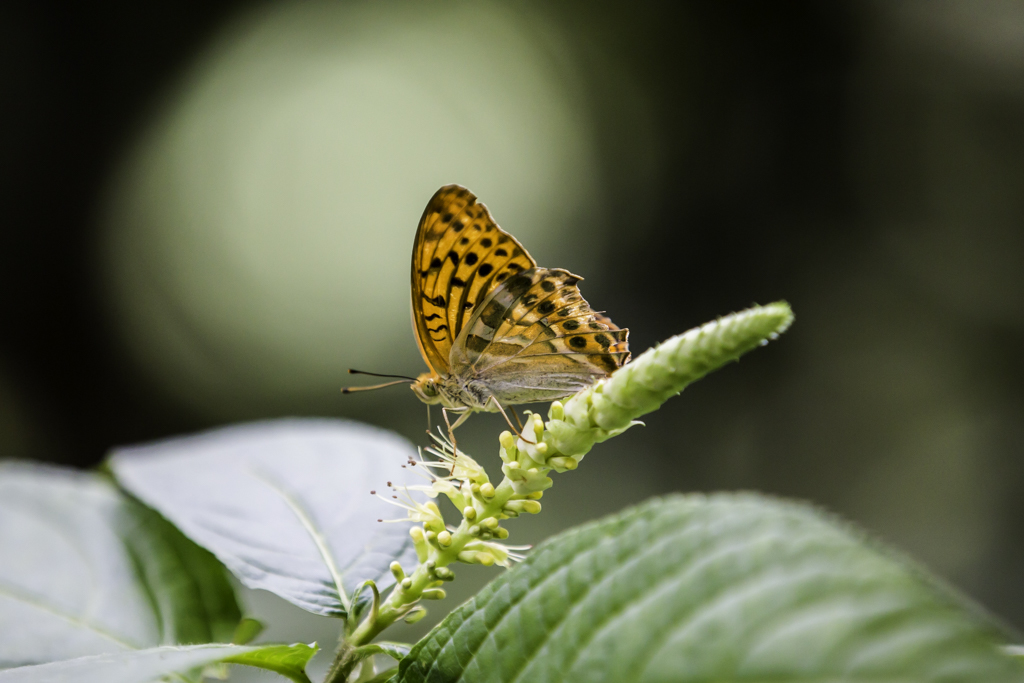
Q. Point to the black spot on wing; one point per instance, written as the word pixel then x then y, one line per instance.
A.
pixel 577 342
pixel 609 362
pixel 517 285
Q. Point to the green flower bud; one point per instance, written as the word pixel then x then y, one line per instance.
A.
pixel 476 557
pixel 501 532
pixel 487 490
pixel 431 536
pixel 397 571
pixel 415 615
pixel 563 464
pixel 490 523
pixel 444 573
pixel 507 441
pixel 469 512
pixel 406 583
pixel 444 539
pixel 434 594
pixel 474 530
pixel 530 506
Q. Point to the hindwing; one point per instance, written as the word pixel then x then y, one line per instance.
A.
pixel 535 338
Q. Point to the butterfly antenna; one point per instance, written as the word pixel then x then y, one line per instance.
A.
pixel 377 374
pixel 352 390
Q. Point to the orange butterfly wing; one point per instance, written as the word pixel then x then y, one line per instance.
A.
pixel 460 255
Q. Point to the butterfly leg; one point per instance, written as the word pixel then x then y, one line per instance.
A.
pixel 451 428
pixel 518 432
pixel 516 416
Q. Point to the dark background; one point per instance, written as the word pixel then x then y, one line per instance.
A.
pixel 864 161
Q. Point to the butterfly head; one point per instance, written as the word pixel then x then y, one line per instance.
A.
pixel 426 388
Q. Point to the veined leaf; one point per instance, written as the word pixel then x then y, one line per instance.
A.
pixel 721 588
pixel 85 570
pixel 144 666
pixel 285 504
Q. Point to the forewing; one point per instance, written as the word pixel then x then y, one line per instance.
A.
pixel 535 338
pixel 459 257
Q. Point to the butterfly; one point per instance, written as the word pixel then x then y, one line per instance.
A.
pixel 495 328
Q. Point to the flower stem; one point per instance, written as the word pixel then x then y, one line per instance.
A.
pixel 599 412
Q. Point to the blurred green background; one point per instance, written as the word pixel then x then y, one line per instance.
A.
pixel 210 206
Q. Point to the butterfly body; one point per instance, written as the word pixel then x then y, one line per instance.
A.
pixel 453 393
pixel 495 328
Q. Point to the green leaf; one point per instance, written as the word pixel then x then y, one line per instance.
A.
pixel 85 570
pixel 720 588
pixel 287 660
pixel 285 504
pixel 143 666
